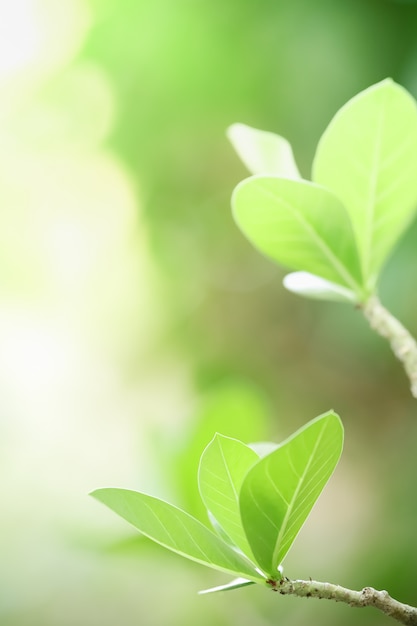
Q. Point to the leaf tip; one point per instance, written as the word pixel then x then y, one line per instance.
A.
pixel 102 493
pixel 234 130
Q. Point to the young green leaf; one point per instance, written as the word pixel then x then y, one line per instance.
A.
pixel 263 152
pixel 223 466
pixel 237 583
pixel 300 225
pixel 279 491
pixel 176 530
pixel 310 286
pixel 367 158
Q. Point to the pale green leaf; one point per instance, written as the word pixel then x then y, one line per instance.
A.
pixel 263 152
pixel 176 530
pixel 279 491
pixel 310 286
pixel 367 157
pixel 300 225
pixel 237 583
pixel 223 466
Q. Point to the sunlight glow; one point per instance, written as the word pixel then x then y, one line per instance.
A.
pixel 39 33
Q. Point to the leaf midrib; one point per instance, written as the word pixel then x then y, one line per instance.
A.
pixel 233 513
pixel 372 196
pixel 340 268
pixel 228 473
pixel 294 497
pixel 204 559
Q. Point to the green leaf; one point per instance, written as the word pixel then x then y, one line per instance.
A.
pixel 300 225
pixel 237 583
pixel 223 466
pixel 279 491
pixel 310 286
pixel 176 530
pixel 367 157
pixel 263 152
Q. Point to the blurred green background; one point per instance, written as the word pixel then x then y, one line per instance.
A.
pixel 135 320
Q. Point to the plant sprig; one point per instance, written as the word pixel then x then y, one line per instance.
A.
pixel 338 230
pixel 258 505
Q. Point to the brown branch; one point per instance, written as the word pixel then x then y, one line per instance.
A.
pixel 381 600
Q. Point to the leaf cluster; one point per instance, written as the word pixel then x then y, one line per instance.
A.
pixel 338 229
pixel 257 503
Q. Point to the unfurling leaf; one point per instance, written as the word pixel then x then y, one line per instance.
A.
pixel 263 152
pixel 310 286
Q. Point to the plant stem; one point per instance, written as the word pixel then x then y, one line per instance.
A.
pixel 402 343
pixel 381 600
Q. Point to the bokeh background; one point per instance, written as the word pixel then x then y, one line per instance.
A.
pixel 136 321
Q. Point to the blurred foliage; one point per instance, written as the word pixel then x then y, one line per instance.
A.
pixel 236 409
pixel 135 318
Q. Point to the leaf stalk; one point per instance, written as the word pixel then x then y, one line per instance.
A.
pixel 402 342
